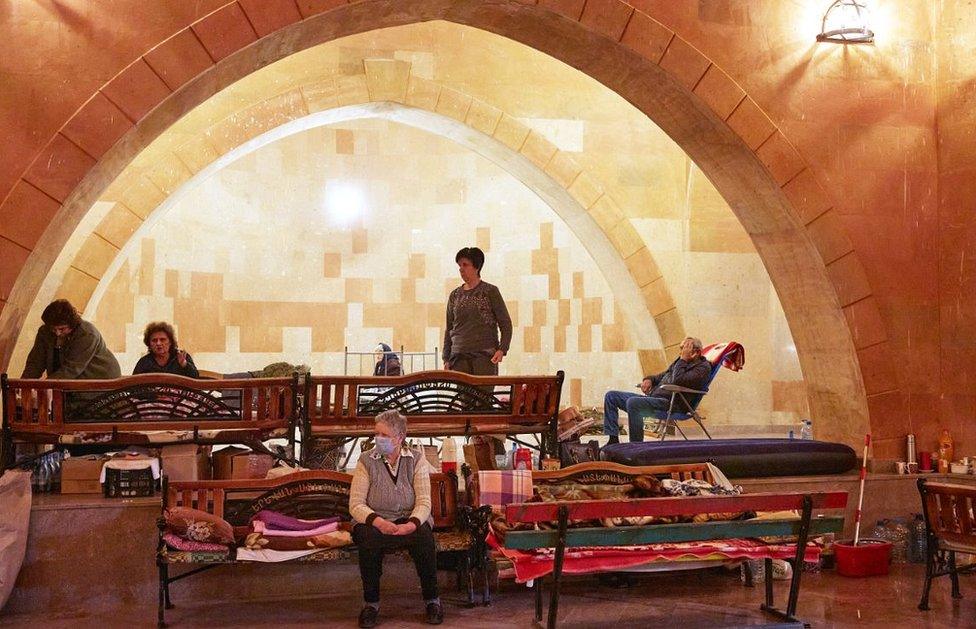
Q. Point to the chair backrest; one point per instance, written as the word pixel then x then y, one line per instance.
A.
pixel 730 355
pixel 949 514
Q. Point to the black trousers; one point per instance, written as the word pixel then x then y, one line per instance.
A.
pixel 372 546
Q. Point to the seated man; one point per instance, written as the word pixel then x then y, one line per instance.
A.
pixel 67 348
pixel 689 370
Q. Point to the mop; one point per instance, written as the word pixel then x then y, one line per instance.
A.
pixel 860 498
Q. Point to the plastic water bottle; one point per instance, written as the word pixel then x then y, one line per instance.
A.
pixel 806 430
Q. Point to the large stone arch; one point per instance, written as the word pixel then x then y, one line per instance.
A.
pixel 576 195
pixel 752 164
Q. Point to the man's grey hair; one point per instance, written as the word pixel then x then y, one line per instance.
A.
pixel 696 344
pixel 395 421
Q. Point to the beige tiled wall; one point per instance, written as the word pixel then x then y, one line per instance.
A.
pixel 253 270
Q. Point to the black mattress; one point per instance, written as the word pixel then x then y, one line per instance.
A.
pixel 741 458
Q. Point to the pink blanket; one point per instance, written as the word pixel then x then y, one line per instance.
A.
pixel 263 529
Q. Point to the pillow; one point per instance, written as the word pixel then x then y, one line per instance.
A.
pixel 199 526
pixel 502 487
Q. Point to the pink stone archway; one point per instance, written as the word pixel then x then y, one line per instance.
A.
pixel 752 164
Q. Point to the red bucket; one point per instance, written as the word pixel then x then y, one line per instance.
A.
pixel 869 558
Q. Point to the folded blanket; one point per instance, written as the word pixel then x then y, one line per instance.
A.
pixel 267 531
pixel 280 521
pixel 259 541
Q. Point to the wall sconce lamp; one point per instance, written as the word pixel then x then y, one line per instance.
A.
pixel 846 22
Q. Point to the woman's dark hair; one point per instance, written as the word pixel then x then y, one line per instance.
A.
pixel 160 326
pixel 473 254
pixel 61 312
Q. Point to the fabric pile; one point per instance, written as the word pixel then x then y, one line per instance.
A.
pixel 270 530
pixel 193 530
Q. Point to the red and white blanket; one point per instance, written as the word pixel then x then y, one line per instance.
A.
pixel 731 354
pixel 586 559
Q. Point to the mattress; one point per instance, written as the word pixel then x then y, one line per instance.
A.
pixel 741 458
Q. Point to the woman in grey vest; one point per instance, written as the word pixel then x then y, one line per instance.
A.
pixel 390 502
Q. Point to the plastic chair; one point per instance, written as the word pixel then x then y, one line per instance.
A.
pixel 684 401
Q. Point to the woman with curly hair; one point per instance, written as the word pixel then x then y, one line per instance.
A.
pixel 164 355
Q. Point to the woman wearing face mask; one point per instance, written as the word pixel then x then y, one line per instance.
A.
pixel 390 502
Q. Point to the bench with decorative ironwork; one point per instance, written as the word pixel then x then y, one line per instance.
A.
pixel 950 525
pixel 148 408
pixel 311 494
pixel 437 404
pixel 562 536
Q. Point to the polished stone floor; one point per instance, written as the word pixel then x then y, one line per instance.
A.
pixel 710 598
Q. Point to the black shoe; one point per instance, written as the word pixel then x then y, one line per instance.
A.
pixel 613 439
pixel 367 617
pixel 435 614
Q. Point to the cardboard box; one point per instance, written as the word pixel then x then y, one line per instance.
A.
pixel 186 462
pixel 234 462
pixel 79 474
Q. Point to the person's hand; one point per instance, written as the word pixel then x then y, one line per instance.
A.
pixel 447 366
pixel 181 357
pixel 385 526
pixel 406 528
pixel 497 356
pixel 646 385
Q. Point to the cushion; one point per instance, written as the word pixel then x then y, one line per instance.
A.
pixel 176 542
pixel 199 526
pixel 502 487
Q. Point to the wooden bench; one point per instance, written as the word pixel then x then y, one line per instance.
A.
pixel 309 495
pixel 950 528
pixel 437 403
pixel 563 512
pixel 125 411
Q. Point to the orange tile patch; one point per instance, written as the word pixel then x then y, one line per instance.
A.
pixel 97 125
pixel 25 214
pixel 267 16
pixel 225 31
pixel 646 36
pixel 719 91
pixel 59 168
pixel 608 17
pixel 179 59
pixel 136 90
pixel 684 62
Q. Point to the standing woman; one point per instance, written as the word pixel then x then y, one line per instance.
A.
pixel 476 314
pixel 164 355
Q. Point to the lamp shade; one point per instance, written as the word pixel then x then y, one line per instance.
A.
pixel 846 22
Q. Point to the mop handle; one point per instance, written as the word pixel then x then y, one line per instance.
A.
pixel 860 498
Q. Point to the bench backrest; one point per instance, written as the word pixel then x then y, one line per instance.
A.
pixel 607 473
pixel 568 511
pixel 311 494
pixel 949 513
pixel 438 403
pixel 147 402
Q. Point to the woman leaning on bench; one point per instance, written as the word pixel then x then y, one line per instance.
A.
pixel 390 501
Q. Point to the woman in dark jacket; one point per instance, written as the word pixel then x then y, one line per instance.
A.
pixel 164 355
pixel 387 361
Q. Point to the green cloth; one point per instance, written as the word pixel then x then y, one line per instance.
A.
pixel 84 356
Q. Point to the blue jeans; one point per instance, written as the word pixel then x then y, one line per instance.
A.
pixel 636 405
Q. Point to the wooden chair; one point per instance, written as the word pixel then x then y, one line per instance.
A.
pixel 949 528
